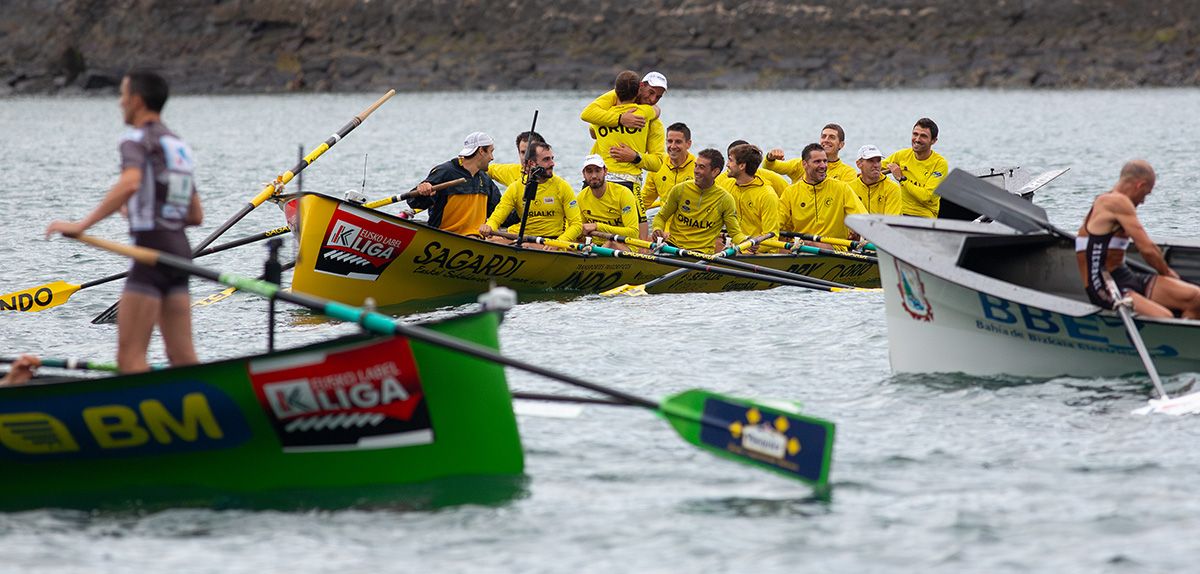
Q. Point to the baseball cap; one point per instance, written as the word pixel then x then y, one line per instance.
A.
pixel 475 141
pixel 869 151
pixel 656 80
pixel 593 159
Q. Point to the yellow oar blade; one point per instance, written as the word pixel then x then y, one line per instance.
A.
pixel 626 289
pixel 215 297
pixel 38 298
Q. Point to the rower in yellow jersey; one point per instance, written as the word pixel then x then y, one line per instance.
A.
pixel 506 173
pixel 554 211
pixel 604 205
pixel 833 139
pixel 629 150
pixel 757 204
pixel 777 182
pixel 818 204
pixel 697 209
pixel 678 168
pixel 920 170
pixel 878 193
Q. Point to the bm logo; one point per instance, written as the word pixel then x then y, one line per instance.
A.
pixel 166 418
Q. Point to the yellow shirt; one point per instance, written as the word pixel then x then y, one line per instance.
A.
pixel 666 178
pixel 794 169
pixel 553 213
pixel 604 115
pixel 464 212
pixel 777 182
pixel 883 197
pixel 920 198
pixel 614 212
pixel 696 216
pixel 819 209
pixel 505 173
pixel 757 206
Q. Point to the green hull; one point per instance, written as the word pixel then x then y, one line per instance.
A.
pixel 350 421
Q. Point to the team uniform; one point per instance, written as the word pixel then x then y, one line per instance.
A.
pixel 819 209
pixel 613 212
pixel 922 179
pixel 757 207
pixel 883 197
pixel 554 212
pixel 461 208
pixel 650 142
pixel 696 216
pixel 794 169
pixel 667 177
pixel 1092 253
pixel 777 182
pixel 504 174
pixel 158 210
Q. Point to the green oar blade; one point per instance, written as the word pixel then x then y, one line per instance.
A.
pixel 38 298
pixel 773 436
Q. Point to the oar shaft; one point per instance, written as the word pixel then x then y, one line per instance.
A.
pixel 411 194
pixel 802 248
pixel 829 240
pixel 374 322
pixel 69 363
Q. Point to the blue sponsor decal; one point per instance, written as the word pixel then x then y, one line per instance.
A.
pixel 1041 326
pixel 180 416
pixel 789 443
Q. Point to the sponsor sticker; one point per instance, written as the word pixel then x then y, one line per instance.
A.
pixel 912 292
pixel 364 397
pixel 359 245
pixel 548 200
pixel 788 443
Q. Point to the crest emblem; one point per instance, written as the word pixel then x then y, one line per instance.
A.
pixel 912 292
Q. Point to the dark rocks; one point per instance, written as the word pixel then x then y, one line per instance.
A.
pixel 353 45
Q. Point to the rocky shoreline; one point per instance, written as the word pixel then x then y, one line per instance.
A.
pixel 266 46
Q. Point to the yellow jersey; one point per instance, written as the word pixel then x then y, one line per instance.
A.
pixel 794 169
pixel 614 212
pixel 604 114
pixel 922 179
pixel 696 216
pixel 553 213
pixel 505 173
pixel 667 177
pixel 757 207
pixel 883 197
pixel 819 209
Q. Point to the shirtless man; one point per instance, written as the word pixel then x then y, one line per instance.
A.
pixel 1100 246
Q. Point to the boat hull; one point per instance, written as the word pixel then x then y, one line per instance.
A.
pixel 349 253
pixel 353 420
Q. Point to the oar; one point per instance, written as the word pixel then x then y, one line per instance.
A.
pixel 75 364
pixel 639 290
pixel 109 315
pixel 797 246
pixel 829 240
pixel 229 291
pixel 1185 404
pixel 724 261
pixel 531 183
pixel 684 265
pixel 411 194
pixel 56 293
pixel 772 436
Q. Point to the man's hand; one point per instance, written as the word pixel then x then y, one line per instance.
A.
pixel 21 370
pixel 894 169
pixel 424 188
pixel 623 153
pixel 67 228
pixel 588 228
pixel 775 154
pixel 485 230
pixel 632 120
pixel 659 235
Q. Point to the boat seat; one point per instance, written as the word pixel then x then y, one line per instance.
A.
pixel 1037 261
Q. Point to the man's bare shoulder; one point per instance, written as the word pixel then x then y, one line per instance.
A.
pixel 1113 202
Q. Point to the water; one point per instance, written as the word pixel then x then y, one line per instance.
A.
pixel 931 473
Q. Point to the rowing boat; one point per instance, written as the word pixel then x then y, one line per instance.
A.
pixel 350 253
pixel 353 420
pixel 1006 297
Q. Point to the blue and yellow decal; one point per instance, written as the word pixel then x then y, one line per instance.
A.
pixel 794 445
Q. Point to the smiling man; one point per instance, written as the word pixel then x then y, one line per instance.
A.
pixel 697 209
pixel 818 204
pixel 919 170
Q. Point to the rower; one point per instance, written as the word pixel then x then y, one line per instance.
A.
pixel 878 193
pixel 832 140
pixel 554 212
pixel 818 204
pixel 678 168
pixel 506 173
pixel 157 190
pixel 20 371
pixel 697 209
pixel 464 207
pixel 757 204
pixel 919 170
pixel 1100 247
pixel 777 182
pixel 604 205
pixel 628 150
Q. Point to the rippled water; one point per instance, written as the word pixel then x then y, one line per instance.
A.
pixel 931 473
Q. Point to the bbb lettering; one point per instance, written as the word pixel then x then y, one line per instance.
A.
pixel 1040 320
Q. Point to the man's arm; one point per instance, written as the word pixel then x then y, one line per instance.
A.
pixel 570 211
pixel 733 225
pixel 1123 210
pixel 629 218
pixel 785 209
pixel 127 185
pixel 665 213
pixel 894 203
pixel 509 201
pixel 656 147
pixel 793 168
pixel 599 111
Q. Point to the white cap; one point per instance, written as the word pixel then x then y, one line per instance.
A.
pixel 475 141
pixel 869 151
pixel 593 159
pixel 656 80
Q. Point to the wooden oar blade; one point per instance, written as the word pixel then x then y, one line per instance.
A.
pixel 773 436
pixel 38 298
